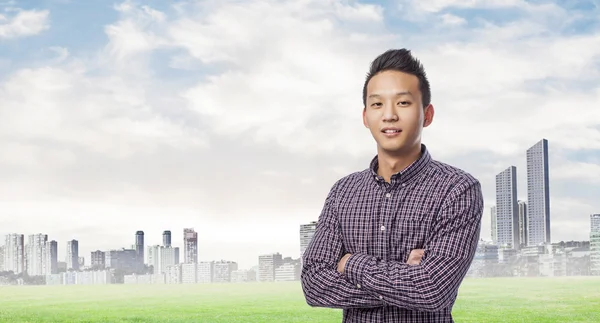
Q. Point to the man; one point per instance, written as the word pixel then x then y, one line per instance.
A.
pixel 358 259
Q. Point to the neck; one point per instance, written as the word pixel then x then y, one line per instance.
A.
pixel 390 164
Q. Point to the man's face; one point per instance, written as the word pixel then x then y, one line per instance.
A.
pixel 394 112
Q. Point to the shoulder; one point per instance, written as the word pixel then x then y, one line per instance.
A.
pixel 348 184
pixel 457 181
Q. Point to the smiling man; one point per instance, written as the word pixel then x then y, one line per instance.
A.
pixel 405 205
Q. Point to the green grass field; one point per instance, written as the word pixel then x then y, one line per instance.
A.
pixel 572 299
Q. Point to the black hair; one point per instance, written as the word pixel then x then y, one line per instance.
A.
pixel 400 60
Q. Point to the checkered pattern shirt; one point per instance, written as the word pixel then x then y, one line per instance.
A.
pixel 429 205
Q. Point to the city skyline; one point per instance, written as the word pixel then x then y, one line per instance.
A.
pixel 118 117
pixel 518 223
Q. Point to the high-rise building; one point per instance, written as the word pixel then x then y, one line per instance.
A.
pixel 98 259
pixel 14 253
pixel 72 258
pixel 494 221
pixel 190 246
pixel 538 194
pixel 267 264
pixel 36 254
pixel 51 257
pixel 522 223
pixel 595 244
pixel 507 209
pixel 167 238
pixel 139 246
pixel 1 258
pixel 124 260
pixel 595 222
pixel 307 231
pixel 161 257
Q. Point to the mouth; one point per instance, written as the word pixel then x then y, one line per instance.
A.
pixel 391 131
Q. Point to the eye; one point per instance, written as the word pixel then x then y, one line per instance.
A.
pixel 404 103
pixel 376 104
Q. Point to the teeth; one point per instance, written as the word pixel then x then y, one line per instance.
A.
pixel 391 131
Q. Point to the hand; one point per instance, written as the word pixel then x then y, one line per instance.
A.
pixel 415 256
pixel 342 263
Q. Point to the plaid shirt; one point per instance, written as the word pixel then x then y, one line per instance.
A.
pixel 429 205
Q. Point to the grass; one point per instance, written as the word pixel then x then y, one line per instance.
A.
pixel 569 299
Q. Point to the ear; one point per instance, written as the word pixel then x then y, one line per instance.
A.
pixel 429 113
pixel 364 116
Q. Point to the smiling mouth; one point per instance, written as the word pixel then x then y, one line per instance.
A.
pixel 391 131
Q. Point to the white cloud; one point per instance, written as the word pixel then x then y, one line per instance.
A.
pixel 24 23
pixel 439 5
pixel 453 20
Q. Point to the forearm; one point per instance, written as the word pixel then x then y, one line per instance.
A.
pixel 423 287
pixel 326 287
pixel 433 285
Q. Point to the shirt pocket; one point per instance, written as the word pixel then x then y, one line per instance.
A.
pixel 410 232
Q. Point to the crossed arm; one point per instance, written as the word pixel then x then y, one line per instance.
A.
pixel 367 282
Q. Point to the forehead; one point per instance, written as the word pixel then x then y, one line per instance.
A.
pixel 392 82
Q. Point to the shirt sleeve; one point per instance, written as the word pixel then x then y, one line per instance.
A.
pixel 322 284
pixel 432 285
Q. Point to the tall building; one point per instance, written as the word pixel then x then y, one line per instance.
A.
pixel 36 254
pixel 595 244
pixel 72 258
pixel 507 209
pixel 161 257
pixel 166 238
pixel 522 223
pixel 494 221
pixel 51 257
pixel 14 253
pixel 267 265
pixel 98 259
pixel 595 222
pixel 307 231
pixel 538 194
pixel 190 246
pixel 1 259
pixel 139 246
pixel 222 270
pixel 124 260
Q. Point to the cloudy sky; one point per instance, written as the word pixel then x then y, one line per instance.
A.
pixel 236 117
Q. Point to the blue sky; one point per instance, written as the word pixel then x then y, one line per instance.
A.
pixel 235 116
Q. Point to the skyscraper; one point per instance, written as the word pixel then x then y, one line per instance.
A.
pixel 1 258
pixel 73 255
pixel 51 257
pixel 595 244
pixel 522 223
pixel 267 264
pixel 36 254
pixel 538 194
pixel 190 246
pixel 494 221
pixel 139 246
pixel 307 231
pixel 14 253
pixel 507 209
pixel 167 238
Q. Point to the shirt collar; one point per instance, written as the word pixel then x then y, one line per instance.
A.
pixel 406 175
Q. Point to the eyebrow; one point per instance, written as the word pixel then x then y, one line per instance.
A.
pixel 397 94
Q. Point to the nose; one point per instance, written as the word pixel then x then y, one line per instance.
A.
pixel 389 113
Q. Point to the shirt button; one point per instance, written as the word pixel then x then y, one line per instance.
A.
pixel 380 297
pixel 383 228
pixel 388 195
pixel 358 285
